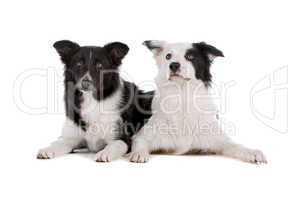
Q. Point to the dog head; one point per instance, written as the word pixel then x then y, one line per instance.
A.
pixel 183 61
pixel 90 67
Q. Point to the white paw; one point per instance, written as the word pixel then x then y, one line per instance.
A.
pixel 105 156
pixel 252 156
pixel 46 153
pixel 139 157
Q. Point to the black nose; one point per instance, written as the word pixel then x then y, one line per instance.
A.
pixel 174 66
pixel 85 84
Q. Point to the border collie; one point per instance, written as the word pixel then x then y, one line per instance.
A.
pixel 184 115
pixel 102 110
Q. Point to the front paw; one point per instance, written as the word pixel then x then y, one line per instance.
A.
pixel 253 156
pixel 46 153
pixel 105 156
pixel 139 157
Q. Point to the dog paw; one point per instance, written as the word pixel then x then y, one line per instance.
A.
pixel 105 156
pixel 46 153
pixel 253 156
pixel 139 157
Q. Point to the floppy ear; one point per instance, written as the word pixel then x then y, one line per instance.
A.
pixel 155 46
pixel 117 51
pixel 65 49
pixel 210 51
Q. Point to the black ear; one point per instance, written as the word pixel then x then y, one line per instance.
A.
pixel 154 45
pixel 210 51
pixel 117 51
pixel 65 49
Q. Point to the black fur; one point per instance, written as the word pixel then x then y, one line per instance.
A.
pixel 135 105
pixel 136 110
pixel 201 61
pixel 149 44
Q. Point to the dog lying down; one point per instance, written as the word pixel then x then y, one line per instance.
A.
pixel 102 110
pixel 184 115
pixel 100 105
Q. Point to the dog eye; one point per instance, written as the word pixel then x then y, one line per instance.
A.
pixel 99 65
pixel 79 63
pixel 168 56
pixel 189 57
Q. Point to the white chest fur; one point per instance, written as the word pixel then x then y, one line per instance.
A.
pixel 102 118
pixel 184 106
pixel 184 98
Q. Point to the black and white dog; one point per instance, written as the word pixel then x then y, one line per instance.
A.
pixel 103 111
pixel 184 115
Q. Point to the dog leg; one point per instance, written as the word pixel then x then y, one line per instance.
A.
pixel 224 146
pixel 219 143
pixel 70 140
pixel 59 147
pixel 113 150
pixel 142 142
pixel 140 152
pixel 240 152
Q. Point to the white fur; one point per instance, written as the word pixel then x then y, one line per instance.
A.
pixel 184 116
pixel 102 118
pixel 177 51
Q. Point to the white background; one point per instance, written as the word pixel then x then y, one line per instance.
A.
pixel 257 37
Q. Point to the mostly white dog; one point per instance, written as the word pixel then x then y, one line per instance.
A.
pixel 184 115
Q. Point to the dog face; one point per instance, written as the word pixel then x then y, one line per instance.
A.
pixel 183 61
pixel 89 67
